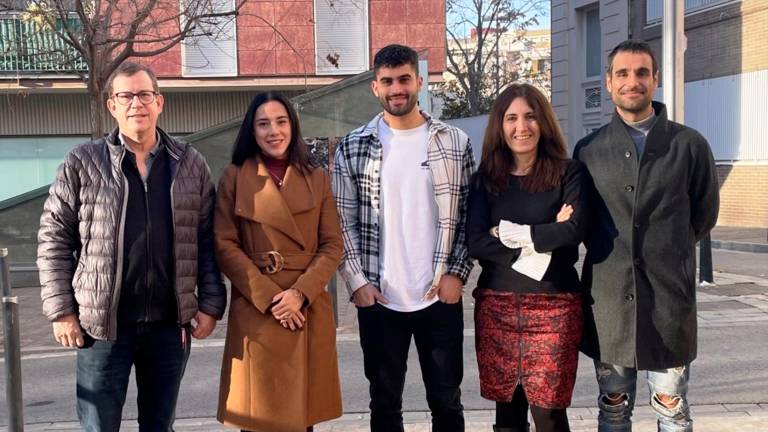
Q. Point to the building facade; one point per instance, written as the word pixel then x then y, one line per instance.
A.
pixel 726 83
pixel 294 46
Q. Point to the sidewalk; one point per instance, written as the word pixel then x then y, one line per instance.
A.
pixel 707 418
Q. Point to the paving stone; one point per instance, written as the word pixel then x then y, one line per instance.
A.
pixel 480 415
pixel 728 305
pixel 713 409
pixel 742 407
pixel 579 413
pixel 415 416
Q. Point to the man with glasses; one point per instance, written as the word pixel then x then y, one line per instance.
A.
pixel 125 238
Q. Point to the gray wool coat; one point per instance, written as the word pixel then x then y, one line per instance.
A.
pixel 648 211
pixel 80 241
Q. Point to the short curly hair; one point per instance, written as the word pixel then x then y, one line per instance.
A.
pixel 395 55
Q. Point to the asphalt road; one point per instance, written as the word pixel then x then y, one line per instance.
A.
pixel 741 263
pixel 730 369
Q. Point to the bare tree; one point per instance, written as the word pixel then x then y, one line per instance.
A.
pixel 98 35
pixel 474 30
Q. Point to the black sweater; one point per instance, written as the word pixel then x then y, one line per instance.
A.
pixel 539 210
pixel 147 292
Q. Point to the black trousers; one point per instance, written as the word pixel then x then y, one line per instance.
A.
pixel 385 336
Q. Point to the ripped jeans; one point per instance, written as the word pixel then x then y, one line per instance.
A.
pixel 617 416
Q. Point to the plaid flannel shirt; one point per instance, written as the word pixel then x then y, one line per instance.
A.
pixel 357 188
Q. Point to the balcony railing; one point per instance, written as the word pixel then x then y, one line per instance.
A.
pixel 27 49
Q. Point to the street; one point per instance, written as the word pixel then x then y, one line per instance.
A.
pixel 730 369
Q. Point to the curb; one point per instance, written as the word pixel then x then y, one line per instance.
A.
pixel 740 246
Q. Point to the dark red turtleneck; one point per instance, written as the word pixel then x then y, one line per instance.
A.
pixel 276 167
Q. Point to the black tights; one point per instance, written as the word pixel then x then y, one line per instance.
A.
pixel 513 416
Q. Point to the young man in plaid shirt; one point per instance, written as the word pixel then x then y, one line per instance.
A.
pixel 401 185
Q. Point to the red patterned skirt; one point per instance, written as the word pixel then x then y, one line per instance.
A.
pixel 528 339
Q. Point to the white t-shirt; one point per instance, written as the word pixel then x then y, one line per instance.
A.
pixel 408 218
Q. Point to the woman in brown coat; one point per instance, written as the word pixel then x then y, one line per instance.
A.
pixel 278 241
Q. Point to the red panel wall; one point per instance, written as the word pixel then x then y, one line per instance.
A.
pixel 419 24
pixel 276 38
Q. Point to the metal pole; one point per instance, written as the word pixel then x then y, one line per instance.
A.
pixel 673 47
pixel 705 261
pixel 673 80
pixel 12 349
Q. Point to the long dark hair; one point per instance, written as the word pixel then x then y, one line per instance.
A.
pixel 245 144
pixel 497 162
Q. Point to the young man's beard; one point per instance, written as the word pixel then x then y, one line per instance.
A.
pixel 404 109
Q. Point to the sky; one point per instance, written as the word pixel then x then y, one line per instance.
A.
pixel 544 19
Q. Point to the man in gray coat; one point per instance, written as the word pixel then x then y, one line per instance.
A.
pixel 125 238
pixel 655 195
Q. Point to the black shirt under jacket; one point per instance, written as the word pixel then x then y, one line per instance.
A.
pixel 539 210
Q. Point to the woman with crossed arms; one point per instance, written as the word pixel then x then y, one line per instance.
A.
pixel 526 218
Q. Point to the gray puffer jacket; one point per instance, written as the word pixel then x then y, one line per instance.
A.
pixel 80 242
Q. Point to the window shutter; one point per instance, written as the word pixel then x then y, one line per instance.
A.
pixel 341 36
pixel 214 55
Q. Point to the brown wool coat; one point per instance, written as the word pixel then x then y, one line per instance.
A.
pixel 273 379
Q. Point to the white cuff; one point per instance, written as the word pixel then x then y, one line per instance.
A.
pixel 532 264
pixel 514 235
pixel 354 281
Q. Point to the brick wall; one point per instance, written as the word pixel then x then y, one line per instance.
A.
pixel 723 41
pixel 743 195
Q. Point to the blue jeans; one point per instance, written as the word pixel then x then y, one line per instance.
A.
pixel 104 367
pixel 616 416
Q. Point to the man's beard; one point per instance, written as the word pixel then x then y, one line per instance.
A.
pixel 634 106
pixel 402 110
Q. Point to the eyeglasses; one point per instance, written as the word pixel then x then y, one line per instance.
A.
pixel 126 98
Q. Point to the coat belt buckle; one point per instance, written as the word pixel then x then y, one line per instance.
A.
pixel 276 262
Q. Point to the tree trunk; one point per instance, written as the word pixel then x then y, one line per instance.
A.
pixel 474 98
pixel 96 103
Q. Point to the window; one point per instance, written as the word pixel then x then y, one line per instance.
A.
pixel 27 163
pixel 341 36
pixel 592 98
pixel 654 9
pixel 593 43
pixel 214 55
